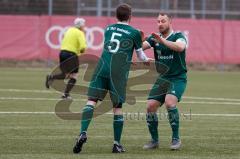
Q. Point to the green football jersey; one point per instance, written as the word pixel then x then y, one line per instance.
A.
pixel 120 40
pixel 174 62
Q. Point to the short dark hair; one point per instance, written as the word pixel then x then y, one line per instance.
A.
pixel 170 16
pixel 123 12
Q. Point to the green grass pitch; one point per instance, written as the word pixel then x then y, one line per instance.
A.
pixel 210 116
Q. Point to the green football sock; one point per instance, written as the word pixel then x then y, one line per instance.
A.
pixel 117 127
pixel 173 117
pixel 152 122
pixel 87 114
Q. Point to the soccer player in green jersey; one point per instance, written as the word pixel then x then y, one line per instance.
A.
pixel 111 74
pixel 170 51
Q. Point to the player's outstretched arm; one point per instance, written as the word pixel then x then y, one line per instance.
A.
pixel 142 35
pixel 142 57
pixel 145 45
pixel 177 46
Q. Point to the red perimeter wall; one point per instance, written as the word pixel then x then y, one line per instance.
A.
pixel 37 37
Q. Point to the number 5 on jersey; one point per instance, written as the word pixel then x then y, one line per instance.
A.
pixel 114 48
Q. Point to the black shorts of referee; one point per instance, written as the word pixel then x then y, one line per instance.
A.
pixel 69 62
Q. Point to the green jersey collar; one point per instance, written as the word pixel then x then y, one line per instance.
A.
pixel 124 23
pixel 168 35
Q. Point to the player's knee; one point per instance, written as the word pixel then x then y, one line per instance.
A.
pixel 170 101
pixel 91 102
pixel 117 111
pixel 170 104
pixel 73 75
pixel 152 105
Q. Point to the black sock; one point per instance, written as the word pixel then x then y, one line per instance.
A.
pixel 70 85
pixel 58 76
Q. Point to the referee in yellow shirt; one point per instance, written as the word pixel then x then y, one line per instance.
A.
pixel 73 45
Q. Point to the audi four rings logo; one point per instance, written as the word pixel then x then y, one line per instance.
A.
pixel 61 30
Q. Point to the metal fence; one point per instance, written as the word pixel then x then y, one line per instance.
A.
pixel 198 9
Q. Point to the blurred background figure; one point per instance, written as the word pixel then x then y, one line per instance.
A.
pixel 73 45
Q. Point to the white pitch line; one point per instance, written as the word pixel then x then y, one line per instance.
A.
pixel 211 103
pixel 27 112
pixel 221 115
pixel 31 91
pixel 184 97
pixel 185 114
pixel 138 101
pixel 25 90
pixel 30 99
pixel 45 113
pixel 211 98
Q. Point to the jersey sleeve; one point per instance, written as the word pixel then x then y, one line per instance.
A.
pixel 137 40
pixel 82 41
pixel 150 41
pixel 181 37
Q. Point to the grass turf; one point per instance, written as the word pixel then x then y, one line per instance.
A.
pixel 47 136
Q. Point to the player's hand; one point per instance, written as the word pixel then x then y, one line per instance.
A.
pixel 84 29
pixel 148 62
pixel 157 38
pixel 142 35
pixel 134 63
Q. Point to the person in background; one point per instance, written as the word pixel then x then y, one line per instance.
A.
pixel 73 45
